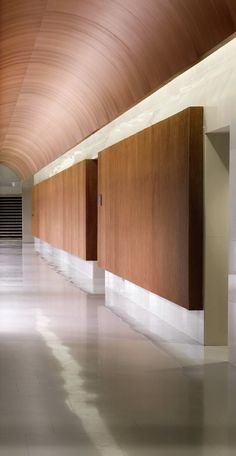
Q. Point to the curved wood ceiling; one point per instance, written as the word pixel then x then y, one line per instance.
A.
pixel 68 67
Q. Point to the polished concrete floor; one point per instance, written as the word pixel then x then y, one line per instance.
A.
pixel 77 379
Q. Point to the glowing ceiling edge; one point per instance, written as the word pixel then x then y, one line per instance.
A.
pixel 209 84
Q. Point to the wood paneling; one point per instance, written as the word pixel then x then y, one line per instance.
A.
pixel 150 220
pixel 65 210
pixel 68 67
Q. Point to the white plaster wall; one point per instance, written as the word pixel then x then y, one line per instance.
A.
pixel 211 84
pixel 10 183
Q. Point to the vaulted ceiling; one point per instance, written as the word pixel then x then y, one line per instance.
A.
pixel 68 67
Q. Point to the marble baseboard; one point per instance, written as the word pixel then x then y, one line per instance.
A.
pixel 190 323
pixel 85 274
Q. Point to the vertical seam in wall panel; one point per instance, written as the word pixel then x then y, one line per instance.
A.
pixel 196 209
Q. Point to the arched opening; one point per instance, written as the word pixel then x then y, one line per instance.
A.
pixel 10 204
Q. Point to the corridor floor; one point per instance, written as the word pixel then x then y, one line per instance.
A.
pixel 75 379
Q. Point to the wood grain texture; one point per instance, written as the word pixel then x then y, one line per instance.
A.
pixel 65 210
pixel 68 67
pixel 150 220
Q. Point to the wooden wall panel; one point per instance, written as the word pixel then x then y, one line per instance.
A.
pixel 65 210
pixel 150 220
pixel 78 212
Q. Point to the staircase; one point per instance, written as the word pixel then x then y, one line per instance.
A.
pixel 10 217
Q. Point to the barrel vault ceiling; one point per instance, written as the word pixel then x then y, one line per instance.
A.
pixel 68 67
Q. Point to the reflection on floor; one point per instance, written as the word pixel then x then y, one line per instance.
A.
pixel 77 379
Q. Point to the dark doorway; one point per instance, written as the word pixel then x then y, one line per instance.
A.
pixel 10 217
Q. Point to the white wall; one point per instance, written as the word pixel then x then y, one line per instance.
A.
pixel 211 84
pixel 10 183
pixel 216 238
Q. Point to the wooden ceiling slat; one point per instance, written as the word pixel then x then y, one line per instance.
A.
pixel 68 67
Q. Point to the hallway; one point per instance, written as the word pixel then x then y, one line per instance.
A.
pixel 78 380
